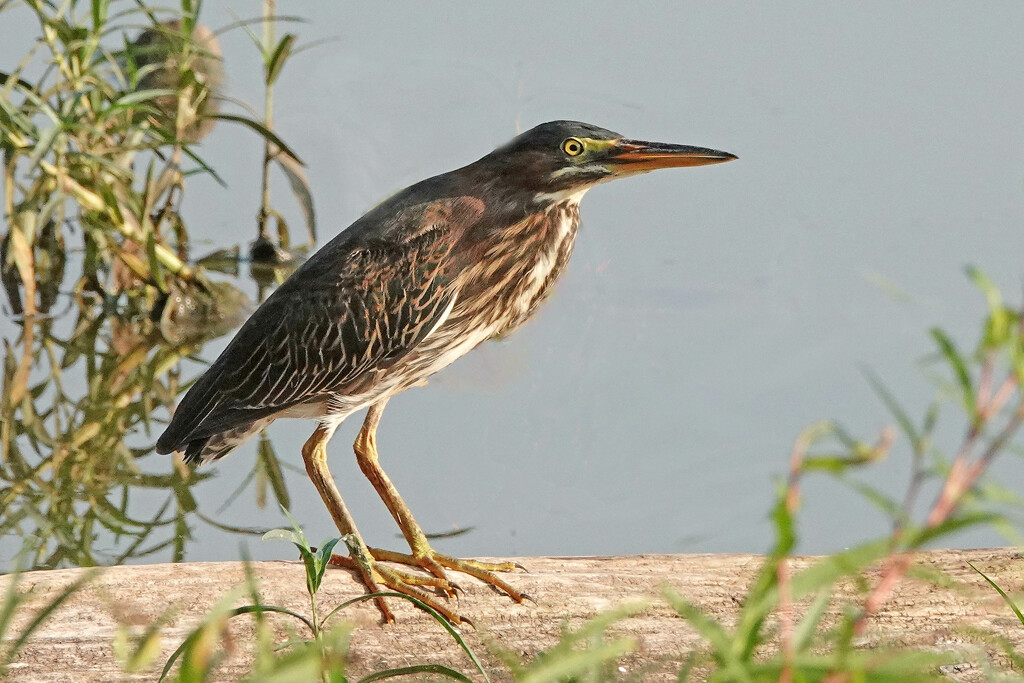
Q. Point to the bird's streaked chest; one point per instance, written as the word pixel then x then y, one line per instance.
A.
pixel 500 291
pixel 520 268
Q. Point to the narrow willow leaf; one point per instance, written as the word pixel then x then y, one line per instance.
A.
pixel 43 146
pixel 43 614
pixel 138 96
pixel 959 367
pixel 99 14
pixel 998 326
pixel 707 627
pixel 894 407
pixel 876 497
pixel 919 538
pixel 1002 594
pixel 808 626
pixel 261 129
pixel 279 57
pixel 575 662
pixel 452 631
pixel 436 669
pixel 300 188
pixel 828 570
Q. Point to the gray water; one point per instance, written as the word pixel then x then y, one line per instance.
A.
pixel 709 314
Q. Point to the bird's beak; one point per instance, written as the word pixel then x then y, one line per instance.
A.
pixel 627 157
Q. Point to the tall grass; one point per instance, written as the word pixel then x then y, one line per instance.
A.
pixel 99 127
pixel 97 133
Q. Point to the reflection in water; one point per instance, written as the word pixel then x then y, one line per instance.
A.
pixel 79 483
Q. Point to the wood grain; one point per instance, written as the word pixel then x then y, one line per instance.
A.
pixel 75 644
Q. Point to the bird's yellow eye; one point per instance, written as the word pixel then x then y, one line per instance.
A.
pixel 573 147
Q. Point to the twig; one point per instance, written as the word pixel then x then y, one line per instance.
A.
pixel 783 570
pixel 961 478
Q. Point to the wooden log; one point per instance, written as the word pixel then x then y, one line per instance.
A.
pixel 75 644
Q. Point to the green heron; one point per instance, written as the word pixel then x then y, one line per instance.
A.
pixel 412 285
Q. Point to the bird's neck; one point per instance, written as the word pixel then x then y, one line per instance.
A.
pixel 570 196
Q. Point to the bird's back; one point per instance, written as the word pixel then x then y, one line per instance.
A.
pixel 412 285
pixel 351 311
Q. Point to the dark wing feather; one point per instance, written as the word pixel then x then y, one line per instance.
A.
pixel 349 311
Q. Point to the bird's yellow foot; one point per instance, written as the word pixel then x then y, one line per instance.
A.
pixel 374 572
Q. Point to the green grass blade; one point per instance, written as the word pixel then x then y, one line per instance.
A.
pixel 710 630
pixel 262 130
pixel 805 630
pixel 1002 593
pixel 567 665
pixel 437 669
pixel 279 57
pixel 959 366
pixel 893 406
pixel 426 608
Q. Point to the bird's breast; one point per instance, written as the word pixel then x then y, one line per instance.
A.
pixel 507 280
pixel 518 269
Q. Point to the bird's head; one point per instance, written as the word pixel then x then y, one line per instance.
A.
pixel 560 159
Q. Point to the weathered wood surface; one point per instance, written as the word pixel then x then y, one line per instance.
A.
pixel 75 645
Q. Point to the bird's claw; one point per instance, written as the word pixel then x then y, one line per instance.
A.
pixel 436 565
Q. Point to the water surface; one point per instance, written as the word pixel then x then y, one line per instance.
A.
pixel 708 314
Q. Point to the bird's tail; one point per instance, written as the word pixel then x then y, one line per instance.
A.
pixel 208 449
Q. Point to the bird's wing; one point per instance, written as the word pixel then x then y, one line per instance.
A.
pixel 350 311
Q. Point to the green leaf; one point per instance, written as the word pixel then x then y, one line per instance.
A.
pixel 323 558
pixel 574 662
pixel 297 529
pixel 686 670
pixel 1002 594
pixel 43 146
pixel 156 272
pixel 805 630
pixel 279 57
pixel 284 535
pixel 137 96
pixel 300 188
pixel 711 631
pixel 270 473
pixel 894 407
pixel 261 129
pixel 197 652
pixel 887 505
pixel 214 622
pixel 99 14
pixel 417 669
pixel 426 608
pixel 828 570
pixel 998 323
pixel 918 538
pixel 43 614
pixel 959 367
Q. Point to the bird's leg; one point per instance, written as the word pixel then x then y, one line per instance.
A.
pixel 314 454
pixel 422 554
pixel 362 560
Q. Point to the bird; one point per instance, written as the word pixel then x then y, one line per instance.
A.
pixel 415 283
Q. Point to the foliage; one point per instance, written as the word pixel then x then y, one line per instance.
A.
pixel 296 659
pixel 76 445
pixel 275 54
pixel 102 140
pixel 95 143
pixel 986 385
